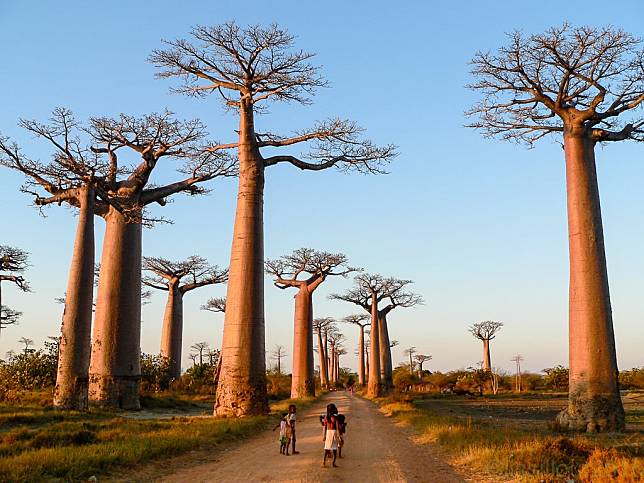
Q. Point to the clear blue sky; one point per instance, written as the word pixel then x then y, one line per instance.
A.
pixel 478 224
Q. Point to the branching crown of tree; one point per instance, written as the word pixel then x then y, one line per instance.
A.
pixel 357 319
pixel 195 270
pixel 8 316
pixel 215 305
pixel 13 262
pixel 247 67
pixel 323 324
pixel 369 285
pixel 568 78
pixel 485 330
pixel 314 265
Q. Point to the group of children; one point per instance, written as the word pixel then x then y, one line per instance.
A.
pixel 334 429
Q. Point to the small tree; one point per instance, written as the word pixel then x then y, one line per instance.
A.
pixel 27 342
pixel 517 377
pixel 410 352
pixel 486 331
pixel 277 354
pixel 178 278
pixel 200 347
pixel 421 359
pixel 13 263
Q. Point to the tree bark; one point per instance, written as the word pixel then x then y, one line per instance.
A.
pixel 324 376
pixel 115 369
pixel 487 361
pixel 303 379
pixel 386 369
pixel 374 387
pixel 242 383
pixel 172 332
pixel 74 350
pixel 594 402
pixel 361 367
pixel 332 364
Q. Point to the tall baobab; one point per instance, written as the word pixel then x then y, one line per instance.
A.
pixel 305 269
pixel 410 352
pixel 115 367
pixel 361 321
pixel 13 262
pixel 249 67
pixel 277 354
pixel 178 278
pixel 585 84
pixel 486 331
pixel 201 348
pixel 517 378
pixel 367 346
pixel 335 338
pixel 216 305
pixel 368 293
pixel 321 326
pixel 421 359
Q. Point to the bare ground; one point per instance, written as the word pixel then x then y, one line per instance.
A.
pixel 376 450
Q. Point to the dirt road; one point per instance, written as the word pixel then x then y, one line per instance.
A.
pixel 375 451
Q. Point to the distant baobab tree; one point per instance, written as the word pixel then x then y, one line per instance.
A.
pixel 486 331
pixel 277 354
pixel 367 293
pixel 13 262
pixel 27 342
pixel 215 305
pixel 517 378
pixel 178 278
pixel 321 326
pixel 587 85
pixel 248 67
pixel 201 348
pixel 335 338
pixel 305 269
pixel 410 352
pixel 421 359
pixel 361 320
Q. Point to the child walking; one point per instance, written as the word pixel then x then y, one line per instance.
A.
pixel 285 434
pixel 331 434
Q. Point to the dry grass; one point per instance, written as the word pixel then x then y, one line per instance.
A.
pixel 536 454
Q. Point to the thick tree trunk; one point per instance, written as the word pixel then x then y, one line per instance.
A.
pixel 115 369
pixel 487 361
pixel 324 375
pixel 332 364
pixel 361 368
pixel 326 356
pixel 337 368
pixel 242 383
pixel 386 369
pixel 303 378
pixel 374 387
pixel 366 364
pixel 74 351
pixel 172 332
pixel 594 402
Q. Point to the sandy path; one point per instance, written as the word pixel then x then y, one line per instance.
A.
pixel 375 451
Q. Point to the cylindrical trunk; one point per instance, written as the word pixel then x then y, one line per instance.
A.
pixel 172 332
pixel 487 361
pixel 361 368
pixel 75 341
pixel 242 383
pixel 303 378
pixel 374 387
pixel 331 362
pixel 594 401
pixel 386 369
pixel 366 364
pixel 337 368
pixel 324 375
pixel 115 368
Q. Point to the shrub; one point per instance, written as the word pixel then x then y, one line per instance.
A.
pixel 556 377
pixel 155 372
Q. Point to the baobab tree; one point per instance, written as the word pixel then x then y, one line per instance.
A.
pixel 27 342
pixel 305 269
pixel 410 352
pixel 277 354
pixel 215 305
pixel 367 346
pixel 201 348
pixel 320 326
pixel 368 292
pixel 486 331
pixel 249 67
pixel 585 84
pixel 361 321
pixel 421 359
pixel 335 338
pixel 13 262
pixel 115 365
pixel 517 378
pixel 178 278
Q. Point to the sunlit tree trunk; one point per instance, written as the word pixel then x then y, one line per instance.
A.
pixel 361 362
pixel 386 369
pixel 172 332
pixel 324 376
pixel 115 369
pixel 594 400
pixel 303 378
pixel 242 385
pixel 374 387
pixel 487 361
pixel 74 350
